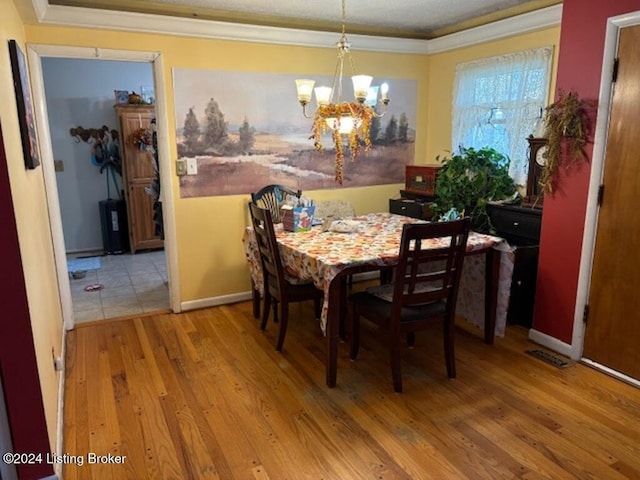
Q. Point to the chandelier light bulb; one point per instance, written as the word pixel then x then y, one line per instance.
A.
pixel 323 95
pixel 305 89
pixel 384 91
pixel 361 84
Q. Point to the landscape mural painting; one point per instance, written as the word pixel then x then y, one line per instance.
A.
pixel 247 130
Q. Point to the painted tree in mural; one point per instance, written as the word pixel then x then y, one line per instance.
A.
pixel 403 129
pixel 191 133
pixel 374 130
pixel 247 137
pixel 215 132
pixel 391 132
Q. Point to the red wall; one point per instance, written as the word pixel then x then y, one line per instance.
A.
pixel 18 368
pixel 582 35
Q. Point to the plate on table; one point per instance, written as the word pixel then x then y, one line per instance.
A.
pixel 345 226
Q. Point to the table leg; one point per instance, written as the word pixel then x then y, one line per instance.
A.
pixel 492 275
pixel 344 309
pixel 333 329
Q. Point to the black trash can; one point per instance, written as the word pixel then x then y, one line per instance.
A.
pixel 115 229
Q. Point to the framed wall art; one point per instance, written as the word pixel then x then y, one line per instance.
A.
pixel 122 97
pixel 26 116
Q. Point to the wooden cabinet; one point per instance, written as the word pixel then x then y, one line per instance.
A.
pixel 410 208
pixel 138 173
pixel 412 205
pixel 520 226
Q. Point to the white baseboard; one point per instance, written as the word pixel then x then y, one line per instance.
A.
pixel 244 296
pixel 60 414
pixel 360 277
pixel 551 343
pixel 215 301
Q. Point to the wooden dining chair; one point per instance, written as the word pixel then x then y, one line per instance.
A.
pixel 279 287
pixel 424 290
pixel 272 197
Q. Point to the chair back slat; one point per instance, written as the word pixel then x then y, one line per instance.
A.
pixel 425 273
pixel 265 235
pixel 272 197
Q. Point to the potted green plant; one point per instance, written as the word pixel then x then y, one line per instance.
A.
pixel 567 129
pixel 468 180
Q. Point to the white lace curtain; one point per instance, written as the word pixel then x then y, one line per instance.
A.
pixel 497 102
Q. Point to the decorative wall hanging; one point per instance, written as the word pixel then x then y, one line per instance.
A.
pixel 245 131
pixel 567 124
pixel 105 151
pixel 26 116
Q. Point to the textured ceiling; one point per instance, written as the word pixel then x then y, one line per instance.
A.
pixel 422 19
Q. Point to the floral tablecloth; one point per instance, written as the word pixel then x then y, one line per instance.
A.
pixel 319 256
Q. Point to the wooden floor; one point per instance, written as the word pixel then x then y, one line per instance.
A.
pixel 204 394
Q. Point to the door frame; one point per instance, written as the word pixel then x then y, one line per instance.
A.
pixel 35 53
pixel 614 24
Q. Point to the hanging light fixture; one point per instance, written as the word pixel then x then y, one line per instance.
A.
pixel 351 119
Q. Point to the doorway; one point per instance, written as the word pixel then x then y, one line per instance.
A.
pixel 36 54
pixel 106 280
pixel 608 341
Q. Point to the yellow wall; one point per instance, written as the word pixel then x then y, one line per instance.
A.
pixel 211 259
pixel 27 190
pixel 209 229
pixel 441 72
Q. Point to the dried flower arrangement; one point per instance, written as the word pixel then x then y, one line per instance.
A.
pixel 141 138
pixel 358 136
pixel 567 129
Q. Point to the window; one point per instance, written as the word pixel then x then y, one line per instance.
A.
pixel 497 102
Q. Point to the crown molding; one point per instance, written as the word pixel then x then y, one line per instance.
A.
pixel 526 22
pixel 165 25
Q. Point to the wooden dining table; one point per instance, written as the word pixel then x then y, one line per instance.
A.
pixel 328 257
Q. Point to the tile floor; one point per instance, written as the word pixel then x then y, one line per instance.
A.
pixel 132 284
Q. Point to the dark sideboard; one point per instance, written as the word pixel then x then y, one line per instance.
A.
pixel 520 226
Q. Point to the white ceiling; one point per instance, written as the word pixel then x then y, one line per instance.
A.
pixel 416 19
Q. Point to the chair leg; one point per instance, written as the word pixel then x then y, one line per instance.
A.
pixel 275 311
pixel 396 370
pixel 255 300
pixel 266 310
pixel 284 320
pixel 449 350
pixel 411 339
pixel 354 338
pixel 386 276
pixel 317 307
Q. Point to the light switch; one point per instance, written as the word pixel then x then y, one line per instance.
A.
pixel 58 165
pixel 181 168
pixel 192 166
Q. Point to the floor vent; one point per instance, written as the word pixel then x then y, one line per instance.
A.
pixel 549 358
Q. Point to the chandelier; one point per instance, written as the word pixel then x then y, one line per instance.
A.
pixel 349 119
